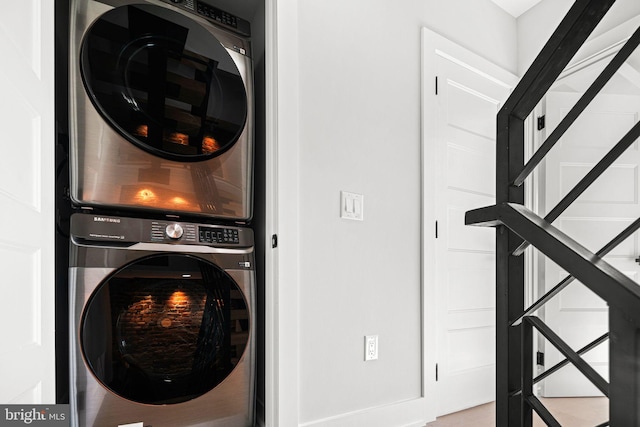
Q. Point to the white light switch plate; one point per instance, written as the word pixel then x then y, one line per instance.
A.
pixel 351 206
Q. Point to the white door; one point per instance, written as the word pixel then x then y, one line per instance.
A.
pixel 610 205
pixel 27 200
pixel 460 170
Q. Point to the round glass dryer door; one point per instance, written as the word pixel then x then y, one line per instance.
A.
pixel 164 82
pixel 165 329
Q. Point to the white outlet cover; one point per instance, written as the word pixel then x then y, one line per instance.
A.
pixel 351 206
pixel 370 347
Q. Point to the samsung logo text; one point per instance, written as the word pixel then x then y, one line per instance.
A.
pixel 104 219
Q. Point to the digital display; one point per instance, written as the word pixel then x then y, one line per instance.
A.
pixel 218 235
pixel 217 15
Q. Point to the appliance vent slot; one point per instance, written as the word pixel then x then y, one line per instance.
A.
pixel 190 4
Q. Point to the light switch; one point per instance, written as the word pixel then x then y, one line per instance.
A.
pixel 350 202
pixel 351 206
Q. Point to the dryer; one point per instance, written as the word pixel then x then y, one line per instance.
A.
pixel 161 108
pixel 162 323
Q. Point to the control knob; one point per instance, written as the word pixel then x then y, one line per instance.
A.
pixel 174 231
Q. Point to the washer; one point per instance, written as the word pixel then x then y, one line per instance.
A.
pixel 161 108
pixel 162 323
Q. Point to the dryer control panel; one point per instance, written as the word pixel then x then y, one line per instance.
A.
pixel 215 15
pixel 123 231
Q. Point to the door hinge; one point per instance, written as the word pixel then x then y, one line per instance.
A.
pixel 436 85
pixel 541 122
pixel 274 241
pixel 540 358
pixel 436 229
pixel 436 372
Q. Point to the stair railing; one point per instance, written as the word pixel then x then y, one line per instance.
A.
pixel 517 227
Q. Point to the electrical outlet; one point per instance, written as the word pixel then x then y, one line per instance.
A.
pixel 370 347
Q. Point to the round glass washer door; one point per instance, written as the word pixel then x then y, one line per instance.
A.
pixel 164 82
pixel 164 329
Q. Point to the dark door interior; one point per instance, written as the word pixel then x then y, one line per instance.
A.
pixel 165 329
pixel 164 82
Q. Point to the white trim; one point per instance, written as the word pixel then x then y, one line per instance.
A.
pixel 271 201
pixel 475 70
pixel 402 414
pixel 271 399
pixel 429 318
pixel 282 217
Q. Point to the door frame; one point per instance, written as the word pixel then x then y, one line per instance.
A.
pixel 281 215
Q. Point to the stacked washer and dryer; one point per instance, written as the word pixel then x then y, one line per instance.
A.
pixel 161 276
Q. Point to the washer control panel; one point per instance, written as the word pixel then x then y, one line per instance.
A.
pixel 173 231
pixel 217 15
pixel 121 230
pixel 210 235
pixel 218 235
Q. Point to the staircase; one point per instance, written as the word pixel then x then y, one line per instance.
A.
pixel 518 227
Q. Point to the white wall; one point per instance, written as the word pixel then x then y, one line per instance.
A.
pixel 620 12
pixel 478 25
pixel 536 25
pixel 349 119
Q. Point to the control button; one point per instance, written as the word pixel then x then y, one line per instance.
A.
pixel 174 231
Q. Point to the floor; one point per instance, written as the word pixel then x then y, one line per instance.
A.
pixel 570 412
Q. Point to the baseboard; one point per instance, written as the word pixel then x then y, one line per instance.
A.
pixel 410 413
